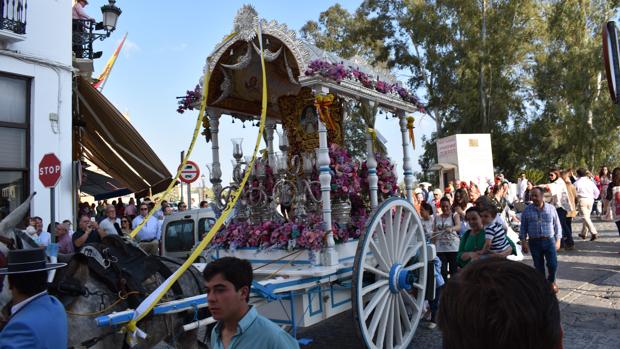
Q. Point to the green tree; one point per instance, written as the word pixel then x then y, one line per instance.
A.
pixel 528 72
pixel 577 125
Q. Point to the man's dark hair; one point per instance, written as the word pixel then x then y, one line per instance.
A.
pixel 482 201
pixel 236 271
pixel 203 204
pixel 473 209
pixel 490 209
pixel 29 284
pixel 444 199
pixel 427 207
pixel 497 303
pixel 537 189
pixel 581 172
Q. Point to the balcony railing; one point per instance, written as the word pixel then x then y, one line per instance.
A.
pixel 13 15
pixel 83 38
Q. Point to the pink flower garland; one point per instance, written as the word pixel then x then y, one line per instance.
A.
pixel 187 102
pixel 338 72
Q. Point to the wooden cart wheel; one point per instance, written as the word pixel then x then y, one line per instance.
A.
pixel 389 276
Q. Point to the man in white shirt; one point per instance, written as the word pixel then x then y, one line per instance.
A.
pixel 586 193
pixel 111 225
pixel 150 232
pixel 44 237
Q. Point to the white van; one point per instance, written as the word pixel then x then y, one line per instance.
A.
pixel 182 231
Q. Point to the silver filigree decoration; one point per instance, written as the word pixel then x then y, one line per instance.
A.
pixel 268 55
pixel 289 71
pixel 242 62
pixel 289 38
pixel 246 22
pixel 226 86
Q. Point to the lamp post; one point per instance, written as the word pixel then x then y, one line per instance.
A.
pixel 202 179
pixel 110 15
pixel 84 31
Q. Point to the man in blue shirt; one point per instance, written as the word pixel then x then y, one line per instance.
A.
pixel 150 233
pixel 540 222
pixel 38 320
pixel 239 326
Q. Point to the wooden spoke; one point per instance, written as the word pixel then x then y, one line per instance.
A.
pixel 383 326
pixel 382 243
pixel 402 310
pixel 409 298
pixel 375 301
pixel 379 257
pixel 374 286
pixel 415 266
pixel 377 316
pixel 377 271
pixel 413 250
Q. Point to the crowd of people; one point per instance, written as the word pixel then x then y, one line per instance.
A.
pixel 469 228
pixel 94 222
pixel 466 225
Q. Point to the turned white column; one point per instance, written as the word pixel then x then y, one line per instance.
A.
pixel 371 164
pixel 407 165
pixel 270 129
pixel 330 256
pixel 216 169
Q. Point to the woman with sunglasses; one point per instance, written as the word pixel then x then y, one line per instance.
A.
pixel 125 226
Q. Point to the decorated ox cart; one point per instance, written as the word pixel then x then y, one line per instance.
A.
pixel 325 232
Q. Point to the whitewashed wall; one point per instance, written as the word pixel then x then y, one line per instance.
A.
pixel 475 158
pixel 45 56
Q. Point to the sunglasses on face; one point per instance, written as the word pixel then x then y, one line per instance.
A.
pixel 124 221
pixel 144 209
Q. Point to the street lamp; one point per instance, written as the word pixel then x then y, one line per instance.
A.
pixel 202 178
pixel 110 15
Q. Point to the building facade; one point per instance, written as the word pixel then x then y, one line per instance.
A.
pixel 35 103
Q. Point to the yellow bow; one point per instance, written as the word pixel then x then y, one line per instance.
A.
pixel 410 127
pixel 323 104
pixel 373 135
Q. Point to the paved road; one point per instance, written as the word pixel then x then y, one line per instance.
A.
pixel 589 281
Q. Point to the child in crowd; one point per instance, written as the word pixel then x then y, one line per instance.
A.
pixel 496 242
pixel 439 282
pixel 427 217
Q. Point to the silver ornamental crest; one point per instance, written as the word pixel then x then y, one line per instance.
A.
pixel 246 22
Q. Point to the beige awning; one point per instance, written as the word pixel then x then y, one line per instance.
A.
pixel 114 145
pixel 442 166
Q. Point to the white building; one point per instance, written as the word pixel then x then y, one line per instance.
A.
pixel 35 102
pixel 465 157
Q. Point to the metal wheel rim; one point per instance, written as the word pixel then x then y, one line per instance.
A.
pixel 387 314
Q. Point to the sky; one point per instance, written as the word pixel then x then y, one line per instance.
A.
pixel 164 55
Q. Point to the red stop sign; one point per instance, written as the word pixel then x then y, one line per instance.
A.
pixel 49 170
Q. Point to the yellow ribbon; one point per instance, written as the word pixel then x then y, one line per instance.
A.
pixel 410 127
pixel 201 119
pixel 149 303
pixel 323 104
pixel 373 135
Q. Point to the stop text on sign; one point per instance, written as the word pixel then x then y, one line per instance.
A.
pixel 49 170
